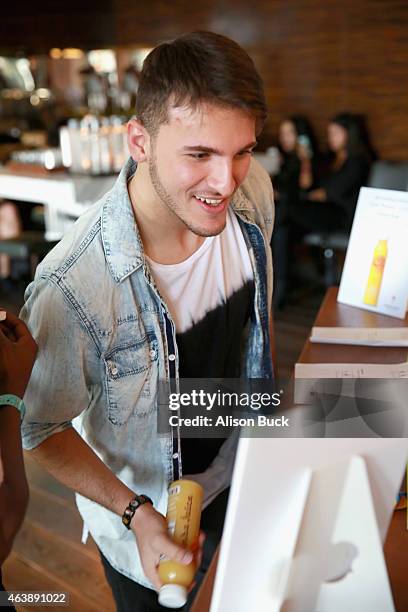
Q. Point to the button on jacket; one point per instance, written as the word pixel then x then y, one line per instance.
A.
pixel 106 338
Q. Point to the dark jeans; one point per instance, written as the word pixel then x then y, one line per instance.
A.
pixel 133 597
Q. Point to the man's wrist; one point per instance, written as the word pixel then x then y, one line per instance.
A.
pixel 134 504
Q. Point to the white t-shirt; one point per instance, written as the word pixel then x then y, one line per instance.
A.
pixel 207 279
pixel 210 298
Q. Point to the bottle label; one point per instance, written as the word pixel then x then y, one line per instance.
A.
pixel 174 490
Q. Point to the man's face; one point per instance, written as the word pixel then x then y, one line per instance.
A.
pixel 197 160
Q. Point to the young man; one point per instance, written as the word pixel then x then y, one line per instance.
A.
pixel 17 355
pixel 157 281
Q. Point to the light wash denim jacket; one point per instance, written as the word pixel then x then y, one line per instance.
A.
pixel 106 338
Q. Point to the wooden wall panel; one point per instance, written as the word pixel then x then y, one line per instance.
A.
pixel 349 57
pixel 35 26
pixel 317 57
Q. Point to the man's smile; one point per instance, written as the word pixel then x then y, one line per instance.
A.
pixel 211 205
pixel 209 200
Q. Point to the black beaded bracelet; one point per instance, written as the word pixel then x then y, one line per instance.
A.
pixel 131 508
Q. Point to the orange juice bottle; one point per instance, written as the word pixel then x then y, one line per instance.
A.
pixel 376 273
pixel 183 520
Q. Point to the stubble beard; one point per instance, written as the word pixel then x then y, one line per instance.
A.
pixel 168 201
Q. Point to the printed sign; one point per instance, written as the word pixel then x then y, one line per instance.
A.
pixel 375 274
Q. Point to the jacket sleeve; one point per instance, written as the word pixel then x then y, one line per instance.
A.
pixel 60 386
pixel 257 187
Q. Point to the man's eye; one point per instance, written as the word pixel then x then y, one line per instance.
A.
pixel 199 155
pixel 245 153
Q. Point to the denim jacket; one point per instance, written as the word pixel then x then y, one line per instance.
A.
pixel 106 338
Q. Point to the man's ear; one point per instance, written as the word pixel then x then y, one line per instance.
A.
pixel 138 140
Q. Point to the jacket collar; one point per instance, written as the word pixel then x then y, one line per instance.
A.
pixel 120 235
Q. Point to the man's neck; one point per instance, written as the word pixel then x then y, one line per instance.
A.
pixel 165 238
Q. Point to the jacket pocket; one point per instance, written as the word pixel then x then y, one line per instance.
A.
pixel 131 373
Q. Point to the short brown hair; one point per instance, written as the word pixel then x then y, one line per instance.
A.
pixel 197 67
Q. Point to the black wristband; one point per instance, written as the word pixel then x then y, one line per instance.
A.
pixel 131 508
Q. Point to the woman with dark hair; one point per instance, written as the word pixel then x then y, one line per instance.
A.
pixel 297 147
pixel 296 174
pixel 331 205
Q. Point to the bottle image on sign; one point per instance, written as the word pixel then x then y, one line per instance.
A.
pixel 183 520
pixel 376 273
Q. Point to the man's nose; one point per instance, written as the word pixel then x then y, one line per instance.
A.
pixel 221 177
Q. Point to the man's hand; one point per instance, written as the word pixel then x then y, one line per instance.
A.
pixel 69 459
pixel 17 355
pixel 150 529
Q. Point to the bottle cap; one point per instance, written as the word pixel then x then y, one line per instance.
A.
pixel 172 595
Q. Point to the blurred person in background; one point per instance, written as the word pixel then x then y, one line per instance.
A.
pixel 331 205
pixel 10 227
pixel 130 84
pixel 297 146
pixel 17 354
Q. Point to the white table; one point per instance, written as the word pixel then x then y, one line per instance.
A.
pixel 65 197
